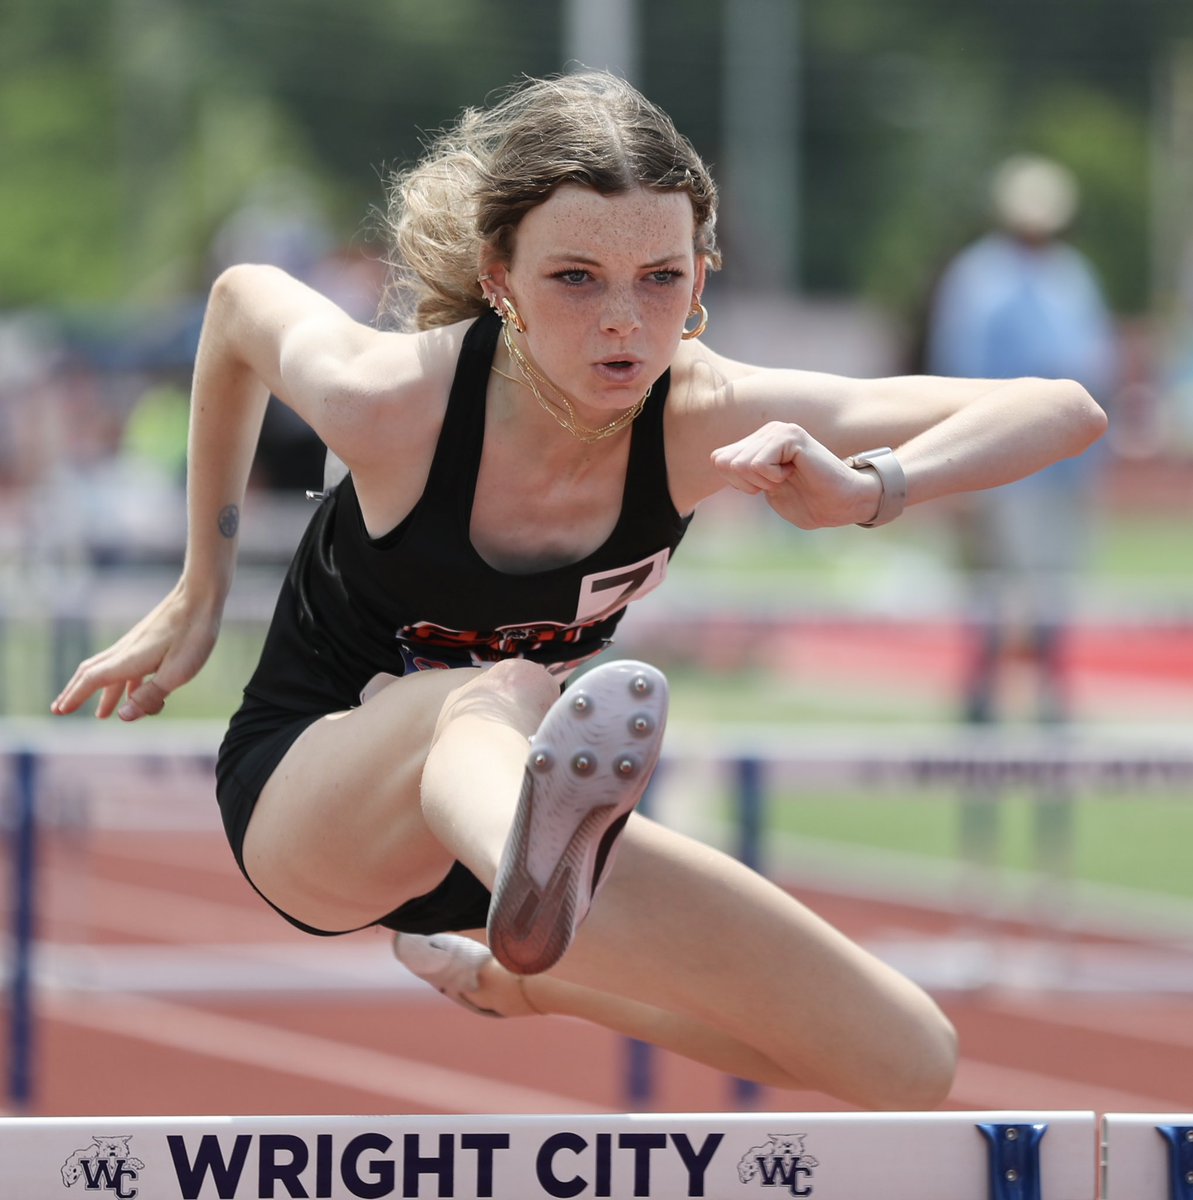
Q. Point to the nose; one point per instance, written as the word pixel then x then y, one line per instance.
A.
pixel 619 314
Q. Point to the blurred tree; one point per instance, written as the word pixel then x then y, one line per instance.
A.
pixel 131 129
pixel 912 103
pixel 362 78
pixel 59 198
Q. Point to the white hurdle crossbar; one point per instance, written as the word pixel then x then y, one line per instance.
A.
pixel 850 1156
pixel 1147 1156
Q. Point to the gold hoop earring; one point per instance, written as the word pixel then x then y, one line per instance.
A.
pixel 697 310
pixel 508 312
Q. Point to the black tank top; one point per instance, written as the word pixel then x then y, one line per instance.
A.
pixel 420 596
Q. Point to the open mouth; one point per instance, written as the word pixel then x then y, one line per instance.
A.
pixel 622 371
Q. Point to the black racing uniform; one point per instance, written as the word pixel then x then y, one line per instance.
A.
pixel 420 597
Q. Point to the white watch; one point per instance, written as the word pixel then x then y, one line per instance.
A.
pixel 886 466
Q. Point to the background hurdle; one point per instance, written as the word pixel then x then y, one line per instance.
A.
pixel 27 745
pixel 1147 1156
pixel 852 1156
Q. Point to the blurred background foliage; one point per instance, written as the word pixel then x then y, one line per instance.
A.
pixel 130 130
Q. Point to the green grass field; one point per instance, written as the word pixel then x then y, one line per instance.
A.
pixel 1117 840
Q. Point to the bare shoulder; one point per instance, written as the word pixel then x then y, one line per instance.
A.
pixel 347 380
pixel 395 367
pixel 384 415
pixel 715 400
pixel 712 386
pixel 388 394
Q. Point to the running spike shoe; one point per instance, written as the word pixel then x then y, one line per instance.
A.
pixel 449 963
pixel 589 765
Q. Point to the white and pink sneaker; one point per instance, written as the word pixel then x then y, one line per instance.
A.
pixel 589 764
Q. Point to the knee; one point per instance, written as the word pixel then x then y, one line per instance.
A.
pixel 523 679
pixel 514 691
pixel 936 1067
pixel 521 683
pixel 924 1074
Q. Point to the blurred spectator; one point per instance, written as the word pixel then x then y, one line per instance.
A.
pixel 107 500
pixel 29 355
pixel 1022 301
pixel 156 429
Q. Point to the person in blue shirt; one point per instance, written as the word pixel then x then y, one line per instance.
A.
pixel 1022 302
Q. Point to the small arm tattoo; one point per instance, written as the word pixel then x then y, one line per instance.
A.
pixel 229 520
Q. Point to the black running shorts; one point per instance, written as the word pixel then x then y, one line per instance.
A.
pixel 257 740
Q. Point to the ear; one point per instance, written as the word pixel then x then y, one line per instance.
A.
pixel 493 272
pixel 701 276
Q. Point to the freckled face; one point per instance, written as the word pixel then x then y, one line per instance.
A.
pixel 604 284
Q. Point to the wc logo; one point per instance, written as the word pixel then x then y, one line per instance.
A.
pixel 107 1165
pixel 781 1161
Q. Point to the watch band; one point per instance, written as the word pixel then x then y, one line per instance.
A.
pixel 886 466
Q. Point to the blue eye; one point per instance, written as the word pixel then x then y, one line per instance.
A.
pixel 669 275
pixel 574 276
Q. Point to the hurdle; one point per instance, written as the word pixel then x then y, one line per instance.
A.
pixel 849 1156
pixel 754 760
pixel 29 744
pixel 1147 1156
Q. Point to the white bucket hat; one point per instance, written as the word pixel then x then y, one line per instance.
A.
pixel 1034 196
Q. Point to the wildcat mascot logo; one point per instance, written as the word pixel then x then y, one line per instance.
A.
pixel 781 1161
pixel 107 1165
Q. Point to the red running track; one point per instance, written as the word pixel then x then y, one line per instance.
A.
pixel 168 987
pixel 140 934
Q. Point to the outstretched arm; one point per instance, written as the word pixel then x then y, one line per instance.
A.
pixel 787 433
pixel 262 332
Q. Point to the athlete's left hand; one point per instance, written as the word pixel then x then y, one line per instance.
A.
pixel 803 481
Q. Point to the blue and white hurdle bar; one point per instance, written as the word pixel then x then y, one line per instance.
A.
pixel 851 1156
pixel 1141 759
pixel 1147 1156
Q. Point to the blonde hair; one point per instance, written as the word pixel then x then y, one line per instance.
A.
pixel 479 178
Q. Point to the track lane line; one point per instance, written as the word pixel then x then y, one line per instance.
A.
pixel 243 1042
pixel 983 1085
pixel 1169 1028
pixel 152 912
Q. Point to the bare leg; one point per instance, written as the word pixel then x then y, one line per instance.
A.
pixel 732 972
pixel 726 947
pixel 370 808
pixel 463 969
pixel 345 833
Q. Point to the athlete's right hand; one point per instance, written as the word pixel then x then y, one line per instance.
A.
pixel 164 650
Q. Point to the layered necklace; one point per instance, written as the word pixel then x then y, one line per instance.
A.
pixel 560 407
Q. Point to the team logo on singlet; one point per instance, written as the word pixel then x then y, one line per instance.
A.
pixel 601 594
pixel 107 1165
pixel 781 1161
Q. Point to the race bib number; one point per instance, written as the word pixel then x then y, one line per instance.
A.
pixel 605 592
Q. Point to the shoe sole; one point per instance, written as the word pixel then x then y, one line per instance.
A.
pixel 589 765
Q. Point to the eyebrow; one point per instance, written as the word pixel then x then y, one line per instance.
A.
pixel 585 261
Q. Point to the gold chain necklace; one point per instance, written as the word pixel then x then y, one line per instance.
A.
pixel 567 418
